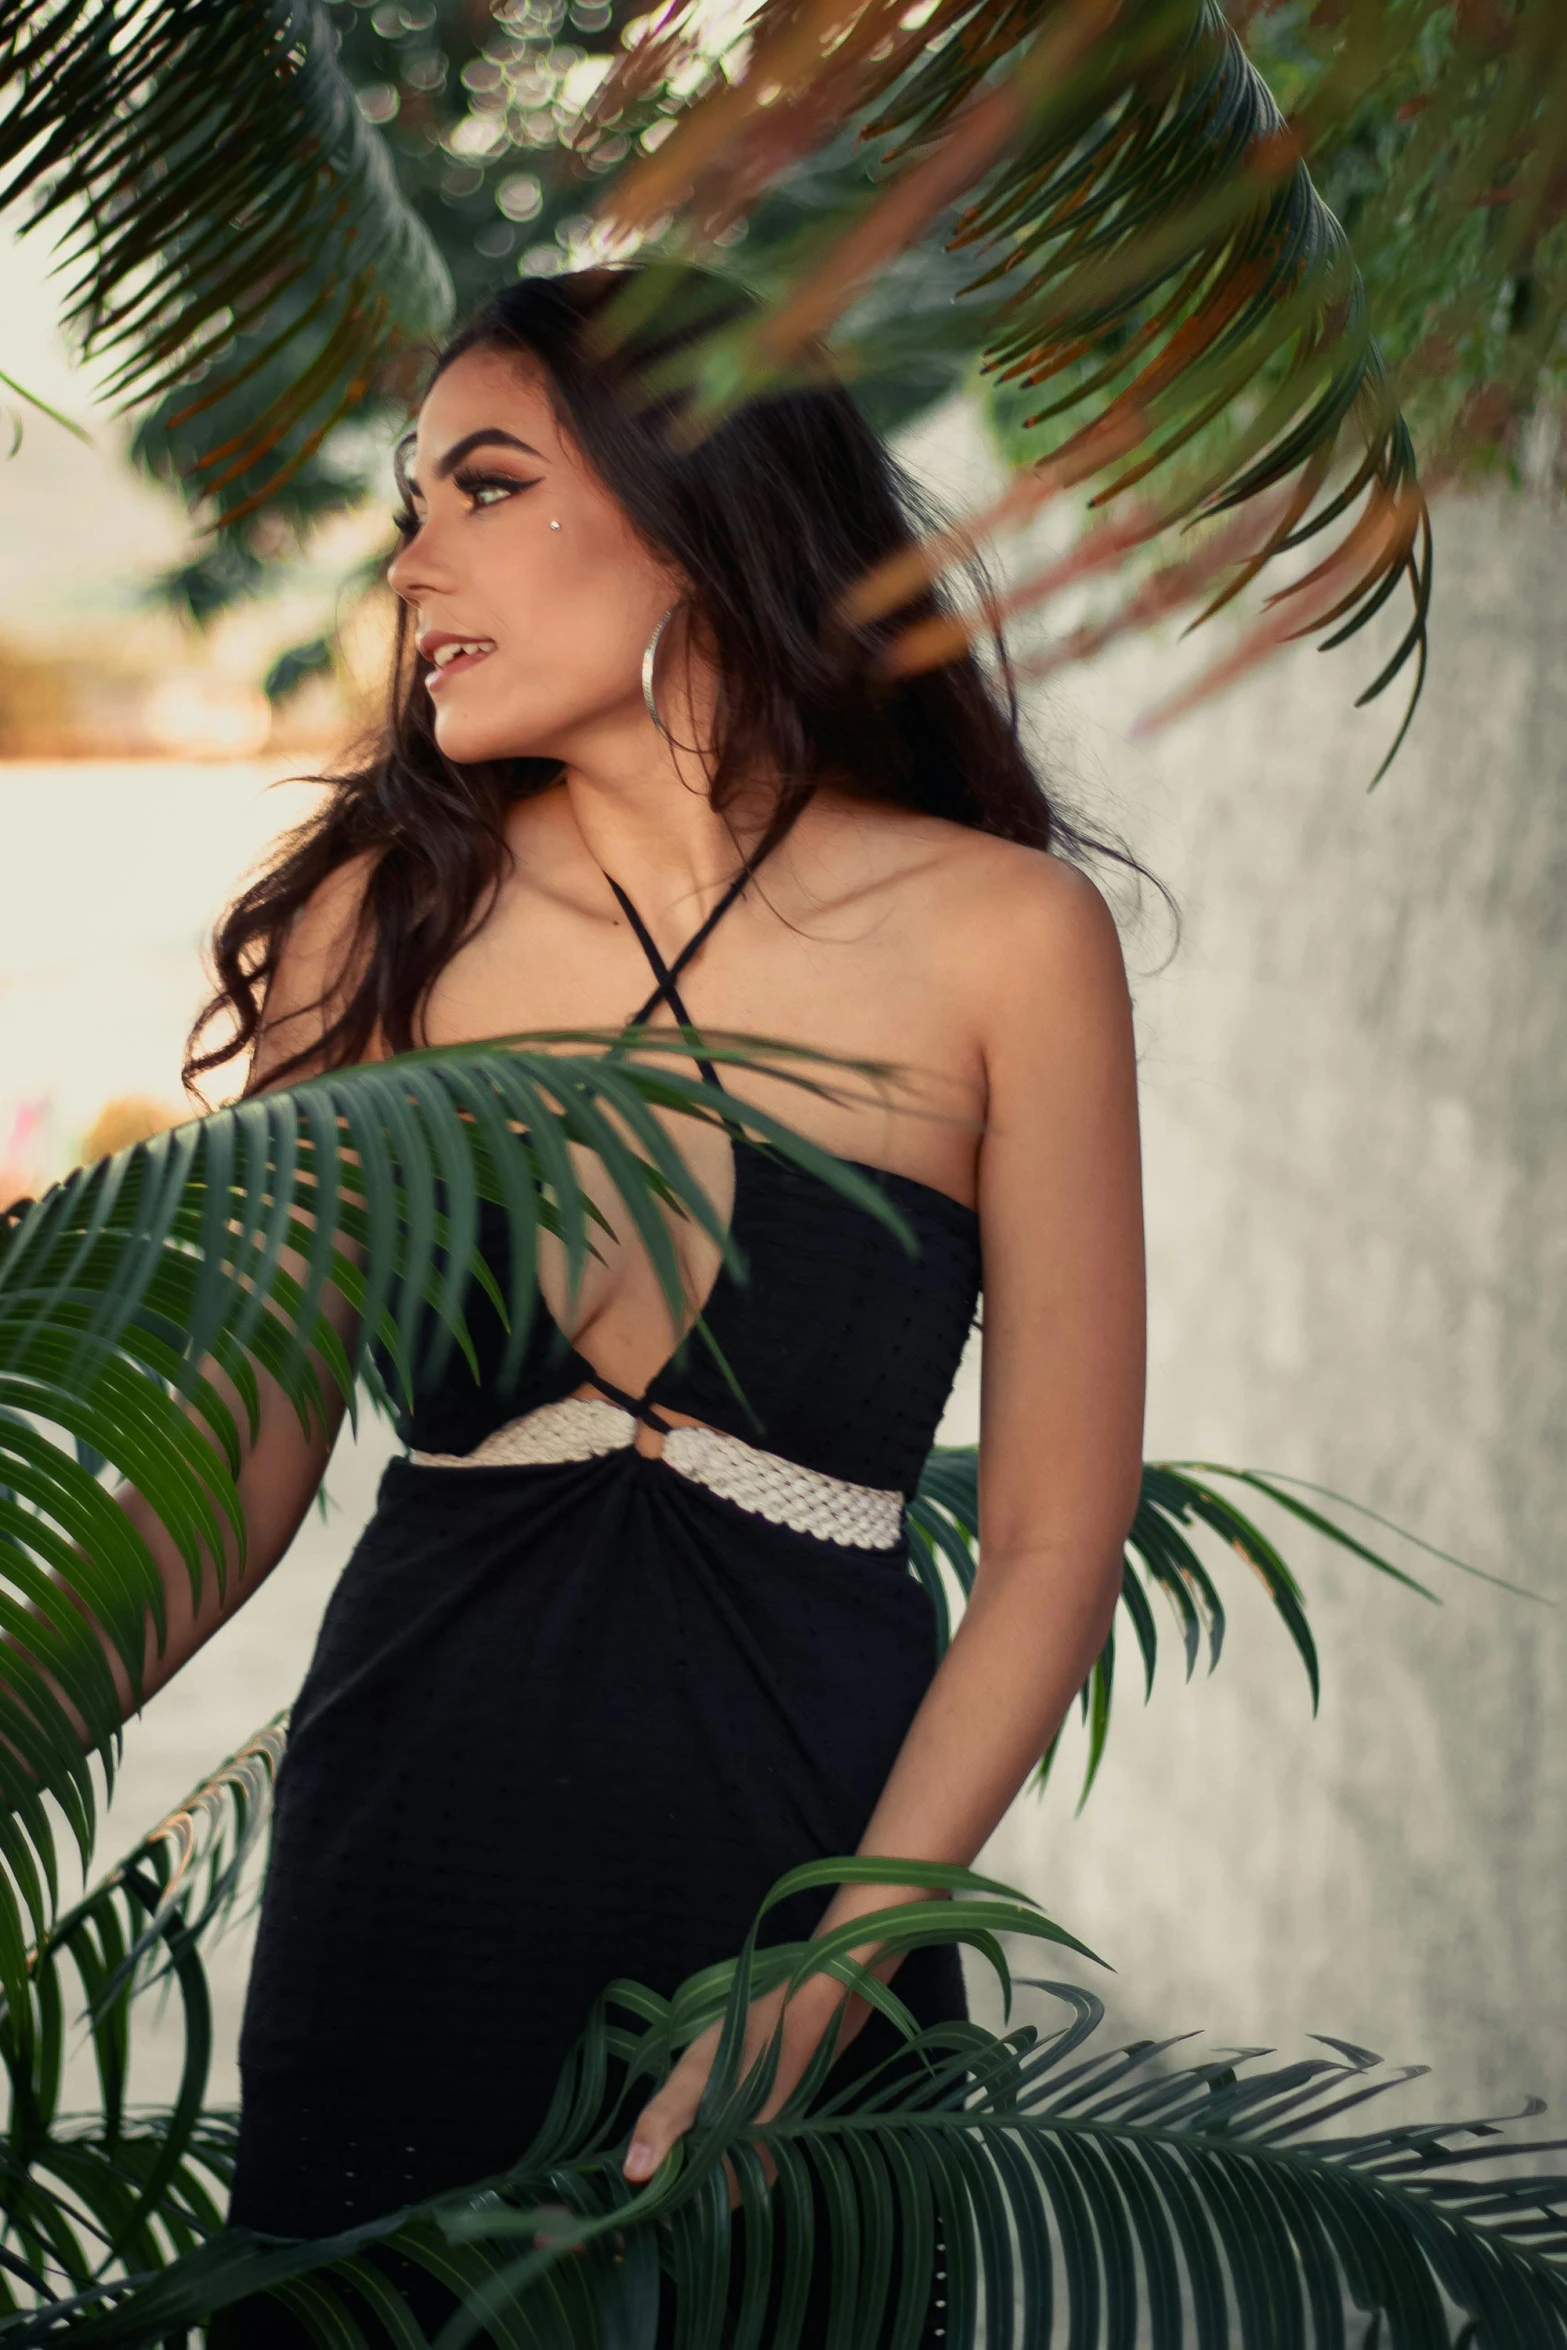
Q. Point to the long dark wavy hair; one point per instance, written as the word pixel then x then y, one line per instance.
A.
pixel 771 517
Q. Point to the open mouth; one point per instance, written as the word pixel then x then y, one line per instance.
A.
pixel 449 659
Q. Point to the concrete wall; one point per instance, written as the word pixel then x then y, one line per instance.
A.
pixel 1356 1135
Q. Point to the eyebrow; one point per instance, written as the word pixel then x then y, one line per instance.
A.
pixel 488 435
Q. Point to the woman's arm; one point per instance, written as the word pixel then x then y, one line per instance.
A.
pixel 1061 1417
pixel 282 1463
pixel 280 1474
pixel 1062 1375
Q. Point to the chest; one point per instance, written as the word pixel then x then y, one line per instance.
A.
pixel 899 1088
pixel 869 994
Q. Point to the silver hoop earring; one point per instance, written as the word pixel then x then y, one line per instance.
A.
pixel 649 661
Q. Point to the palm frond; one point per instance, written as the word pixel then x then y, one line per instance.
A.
pixel 1145 241
pixel 121 2191
pixel 133 1294
pixel 226 219
pixel 1178 1499
pixel 1082 2194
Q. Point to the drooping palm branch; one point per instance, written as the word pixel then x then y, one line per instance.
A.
pixel 227 222
pixel 1136 204
pixel 1083 2194
pixel 1144 233
pixel 1143 239
pixel 1102 2190
pixel 123 2188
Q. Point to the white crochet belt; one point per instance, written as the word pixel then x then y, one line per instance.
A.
pixel 582 1427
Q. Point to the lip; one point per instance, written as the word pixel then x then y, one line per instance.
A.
pixel 429 643
pixel 436 677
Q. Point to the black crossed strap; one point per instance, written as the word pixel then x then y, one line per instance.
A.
pixel 667 991
pixel 667 975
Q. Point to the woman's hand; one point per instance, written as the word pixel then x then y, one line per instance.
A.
pixel 806 2018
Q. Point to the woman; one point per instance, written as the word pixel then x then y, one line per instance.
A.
pixel 619 1645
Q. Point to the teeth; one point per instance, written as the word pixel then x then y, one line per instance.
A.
pixel 445 653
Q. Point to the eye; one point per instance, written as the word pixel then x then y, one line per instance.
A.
pixel 405 522
pixel 488 489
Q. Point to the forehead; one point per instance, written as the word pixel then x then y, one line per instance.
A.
pixel 480 389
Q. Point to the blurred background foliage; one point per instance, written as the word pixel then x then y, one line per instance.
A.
pixel 1438 135
pixel 1435 130
pixel 476 104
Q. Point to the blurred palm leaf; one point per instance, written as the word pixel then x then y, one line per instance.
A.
pixel 1148 254
pixel 1106 247
pixel 1092 2195
pixel 1178 1499
pixel 229 225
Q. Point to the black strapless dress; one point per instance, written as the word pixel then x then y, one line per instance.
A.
pixel 569 1719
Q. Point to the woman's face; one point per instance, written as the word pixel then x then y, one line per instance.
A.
pixel 522 554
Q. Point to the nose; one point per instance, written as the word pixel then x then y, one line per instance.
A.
pixel 418 567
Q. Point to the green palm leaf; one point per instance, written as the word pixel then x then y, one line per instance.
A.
pixel 228 222
pixel 135 1292
pixel 1084 2194
pixel 1178 1498
pixel 1091 2191
pixel 124 2190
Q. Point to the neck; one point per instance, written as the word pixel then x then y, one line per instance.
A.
pixel 641 805
pixel 659 834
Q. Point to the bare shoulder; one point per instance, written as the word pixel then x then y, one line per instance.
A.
pixel 1033 957
pixel 1010 924
pixel 1032 924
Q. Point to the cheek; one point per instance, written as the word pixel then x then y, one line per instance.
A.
pixel 571 629
pixel 565 656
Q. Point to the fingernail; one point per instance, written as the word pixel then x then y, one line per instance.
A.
pixel 639 2162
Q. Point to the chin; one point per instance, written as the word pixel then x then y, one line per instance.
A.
pixel 479 725
pixel 467 740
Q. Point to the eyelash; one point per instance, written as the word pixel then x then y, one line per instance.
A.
pixel 406 521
